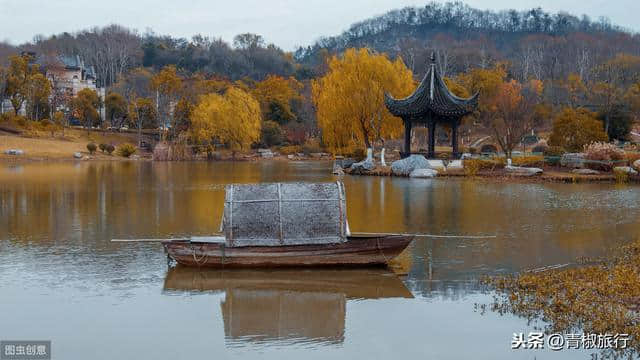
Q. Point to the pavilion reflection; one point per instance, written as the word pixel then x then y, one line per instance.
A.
pixel 289 305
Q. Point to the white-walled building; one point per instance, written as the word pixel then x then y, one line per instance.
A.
pixel 68 75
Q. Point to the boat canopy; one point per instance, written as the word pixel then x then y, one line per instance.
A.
pixel 276 214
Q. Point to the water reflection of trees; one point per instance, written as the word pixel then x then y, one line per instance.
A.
pixel 536 224
pixel 101 200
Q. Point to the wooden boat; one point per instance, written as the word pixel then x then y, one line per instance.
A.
pixel 358 250
pixel 286 224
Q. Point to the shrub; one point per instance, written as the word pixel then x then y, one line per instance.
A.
pixel 21 121
pixel 311 146
pixel 126 150
pixel 575 128
pixel 471 166
pixel 91 147
pixel 110 148
pixel 602 156
pixel 289 150
pixel 475 165
pixel 102 147
pixel 540 149
pixel 271 134
pixel 622 177
pixel 528 161
pixel 488 149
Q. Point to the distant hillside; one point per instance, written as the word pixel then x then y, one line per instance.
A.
pixel 536 43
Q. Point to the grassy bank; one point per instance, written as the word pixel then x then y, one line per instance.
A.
pixel 58 147
pixel 592 296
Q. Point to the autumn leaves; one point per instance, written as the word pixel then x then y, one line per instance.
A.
pixel 232 117
pixel 349 99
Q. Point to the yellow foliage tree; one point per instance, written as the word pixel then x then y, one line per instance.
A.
pixel 166 83
pixel 349 99
pixel 575 128
pixel 18 79
pixel 275 94
pixel 513 114
pixel 38 89
pixel 85 107
pixel 232 118
pixel 456 88
pixel 487 82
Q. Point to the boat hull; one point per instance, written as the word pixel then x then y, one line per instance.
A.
pixel 356 251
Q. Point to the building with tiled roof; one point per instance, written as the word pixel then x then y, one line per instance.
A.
pixel 431 103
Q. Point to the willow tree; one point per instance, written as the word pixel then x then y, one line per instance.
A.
pixel 275 95
pixel 232 118
pixel 349 99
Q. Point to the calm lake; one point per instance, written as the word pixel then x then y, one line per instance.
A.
pixel 61 279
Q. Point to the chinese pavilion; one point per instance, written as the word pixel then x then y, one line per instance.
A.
pixel 431 103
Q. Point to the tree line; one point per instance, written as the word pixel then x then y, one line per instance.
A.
pixel 530 67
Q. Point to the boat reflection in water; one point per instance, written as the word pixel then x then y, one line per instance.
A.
pixel 288 305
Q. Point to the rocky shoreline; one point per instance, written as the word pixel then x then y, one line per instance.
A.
pixel 416 166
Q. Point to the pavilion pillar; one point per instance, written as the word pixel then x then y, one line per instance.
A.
pixel 431 151
pixel 454 140
pixel 407 138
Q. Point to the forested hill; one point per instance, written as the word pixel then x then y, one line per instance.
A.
pixel 537 43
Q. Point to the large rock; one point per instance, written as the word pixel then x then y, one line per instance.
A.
pixel 573 160
pixel 423 173
pixel 523 171
pixel 265 153
pixel 625 169
pixel 404 167
pixel 585 172
pixel 362 167
pixel 344 163
pixel 77 155
pixel 14 152
pixel 455 166
pixel 636 165
pixel 437 164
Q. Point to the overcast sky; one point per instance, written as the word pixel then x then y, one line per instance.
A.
pixel 287 23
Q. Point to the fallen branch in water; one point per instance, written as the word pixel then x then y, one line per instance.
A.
pixel 547 268
pixel 431 235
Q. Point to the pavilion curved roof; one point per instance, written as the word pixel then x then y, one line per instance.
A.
pixel 431 97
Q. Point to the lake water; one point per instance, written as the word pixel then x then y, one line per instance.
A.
pixel 61 279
